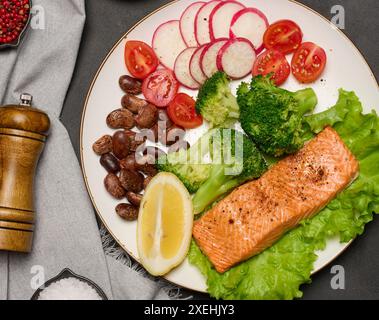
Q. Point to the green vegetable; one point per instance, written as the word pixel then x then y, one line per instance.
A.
pixel 238 161
pixel 216 103
pixel 278 272
pixel 233 159
pixel 189 165
pixel 272 116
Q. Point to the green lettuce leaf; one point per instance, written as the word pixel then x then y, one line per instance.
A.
pixel 278 272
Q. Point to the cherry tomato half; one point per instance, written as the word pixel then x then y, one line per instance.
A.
pixel 182 112
pixel 308 62
pixel 140 59
pixel 284 36
pixel 160 87
pixel 272 61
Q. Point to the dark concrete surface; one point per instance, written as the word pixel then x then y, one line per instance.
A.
pixel 107 21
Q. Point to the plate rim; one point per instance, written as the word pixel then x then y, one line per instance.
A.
pixel 89 92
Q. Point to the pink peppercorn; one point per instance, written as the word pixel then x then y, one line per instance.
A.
pixel 13 17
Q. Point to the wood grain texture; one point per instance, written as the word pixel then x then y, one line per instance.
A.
pixel 22 135
pixel 24 118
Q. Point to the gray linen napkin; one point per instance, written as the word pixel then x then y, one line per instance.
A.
pixel 66 232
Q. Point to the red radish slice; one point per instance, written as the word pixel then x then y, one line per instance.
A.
pixel 168 43
pixel 182 69
pixel 221 18
pixel 250 23
pixel 236 58
pixel 202 32
pixel 195 68
pixel 187 23
pixel 208 59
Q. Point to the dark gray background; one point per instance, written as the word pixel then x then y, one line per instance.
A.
pixel 108 20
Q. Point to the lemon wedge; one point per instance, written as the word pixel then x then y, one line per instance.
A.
pixel 164 227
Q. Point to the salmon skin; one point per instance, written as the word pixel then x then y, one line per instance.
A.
pixel 258 213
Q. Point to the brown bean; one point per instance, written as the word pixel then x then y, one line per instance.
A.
pixel 134 198
pixel 120 118
pixel 131 180
pixel 171 135
pixel 132 103
pixel 158 131
pixel 131 134
pixel 113 186
pixel 129 163
pixel 127 211
pixel 147 181
pixel 103 145
pixel 147 116
pixel 144 159
pixel 136 139
pixel 174 134
pixel 121 144
pixel 181 144
pixel 148 169
pixel 130 85
pixel 146 164
pixel 150 134
pixel 154 151
pixel 110 163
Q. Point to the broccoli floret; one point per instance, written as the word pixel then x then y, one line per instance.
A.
pixel 189 165
pixel 219 161
pixel 272 116
pixel 216 103
pixel 235 160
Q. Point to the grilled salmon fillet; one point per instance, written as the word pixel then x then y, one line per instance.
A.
pixel 258 213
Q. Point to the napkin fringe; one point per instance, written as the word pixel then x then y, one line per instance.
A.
pixel 112 249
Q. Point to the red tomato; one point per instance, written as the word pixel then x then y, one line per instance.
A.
pixel 284 36
pixel 182 112
pixel 272 61
pixel 308 62
pixel 160 87
pixel 140 59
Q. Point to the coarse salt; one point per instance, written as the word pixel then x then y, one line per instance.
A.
pixel 69 289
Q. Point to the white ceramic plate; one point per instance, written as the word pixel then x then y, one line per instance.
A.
pixel 346 68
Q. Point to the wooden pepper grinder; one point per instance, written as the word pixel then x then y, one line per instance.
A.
pixel 23 132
